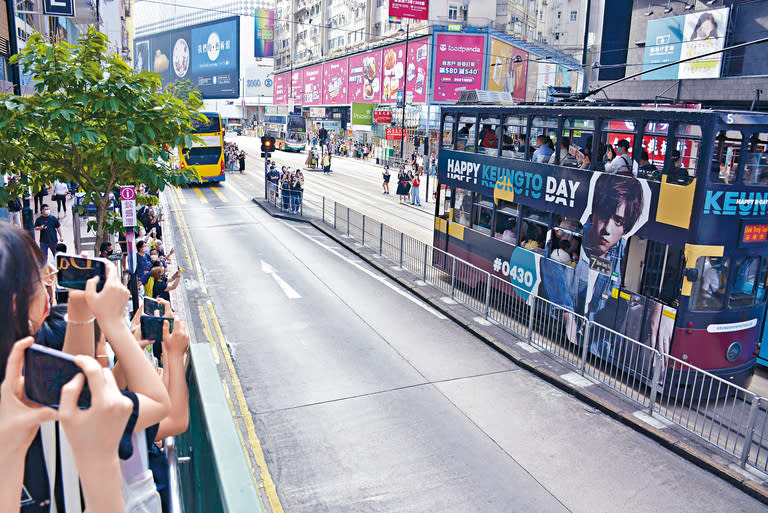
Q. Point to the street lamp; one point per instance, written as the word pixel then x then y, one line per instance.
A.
pixel 405 89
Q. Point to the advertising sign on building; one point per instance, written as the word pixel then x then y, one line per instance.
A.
pixel 317 112
pixel 335 82
pixel 508 69
pixel 365 77
pixel 264 44
pixel 682 37
pixel 394 73
pixel 382 116
pixel 206 54
pixel 361 113
pixel 413 9
pixel 395 134
pixel 280 89
pixel 458 65
pixel 296 88
pixel 312 85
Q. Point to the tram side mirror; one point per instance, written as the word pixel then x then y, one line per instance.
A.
pixel 691 274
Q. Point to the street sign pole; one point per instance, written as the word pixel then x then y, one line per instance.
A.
pixel 128 211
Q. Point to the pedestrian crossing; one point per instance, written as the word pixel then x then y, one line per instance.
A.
pixel 210 194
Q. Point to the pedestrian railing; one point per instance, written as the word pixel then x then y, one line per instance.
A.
pixel 725 415
pixel 285 200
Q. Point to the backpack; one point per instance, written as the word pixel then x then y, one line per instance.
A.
pixel 14 205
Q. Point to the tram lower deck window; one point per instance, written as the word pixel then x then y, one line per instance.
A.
pixel 745 274
pixel 709 288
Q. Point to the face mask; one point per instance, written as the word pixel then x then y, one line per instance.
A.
pixel 153 257
pixel 46 211
pixel 109 252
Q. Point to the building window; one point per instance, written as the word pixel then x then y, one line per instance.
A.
pixel 558 14
pixel 541 15
pixel 453 12
pixel 557 36
pixel 573 15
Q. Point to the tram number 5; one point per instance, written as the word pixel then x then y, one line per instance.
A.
pixel 521 276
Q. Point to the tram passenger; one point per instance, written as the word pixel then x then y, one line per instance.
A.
pixel 646 169
pixel 678 175
pixel 620 163
pixel 543 150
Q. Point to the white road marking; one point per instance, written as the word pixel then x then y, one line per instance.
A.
pixel 657 422
pixel 289 291
pixel 421 283
pixel 528 347
pixel 481 321
pixel 448 300
pixel 577 380
pixel 372 275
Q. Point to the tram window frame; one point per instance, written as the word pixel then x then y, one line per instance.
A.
pixel 482 205
pixel 495 122
pixel 466 142
pixel 755 161
pixel 507 212
pixel 580 152
pixel 707 302
pixel 575 231
pixel 686 172
pixel 606 132
pixel 444 196
pixel 762 283
pixel 744 299
pixel 448 119
pixel 719 170
pixel 514 150
pixel 654 136
pixel 546 126
pixel 462 195
pixel 530 215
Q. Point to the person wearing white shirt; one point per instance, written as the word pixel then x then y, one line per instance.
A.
pixel 621 163
pixel 60 191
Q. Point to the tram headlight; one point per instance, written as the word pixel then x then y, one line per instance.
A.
pixel 733 352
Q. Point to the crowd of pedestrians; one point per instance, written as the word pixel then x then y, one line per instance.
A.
pixel 286 187
pixel 234 157
pixel 106 456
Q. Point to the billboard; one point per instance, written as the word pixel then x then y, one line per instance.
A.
pixel 280 89
pixel 395 77
pixel 458 65
pixel 206 54
pixel 361 113
pixel 413 9
pixel 296 88
pixel 257 82
pixel 313 85
pixel 682 37
pixel 335 82
pixel 504 74
pixel 365 77
pixel 264 44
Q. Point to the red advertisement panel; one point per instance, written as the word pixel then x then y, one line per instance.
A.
pixel 394 72
pixel 382 116
pixel 365 77
pixel 280 89
pixel 459 62
pixel 413 9
pixel 313 85
pixel 395 134
pixel 297 87
pixel 335 82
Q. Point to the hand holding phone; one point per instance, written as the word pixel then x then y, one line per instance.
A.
pixel 108 305
pixel 46 371
pixel 153 306
pixel 152 327
pixel 75 271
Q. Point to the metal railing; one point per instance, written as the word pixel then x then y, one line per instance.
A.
pixel 285 200
pixel 715 410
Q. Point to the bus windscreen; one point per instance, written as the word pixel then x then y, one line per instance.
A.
pixel 211 126
pixel 202 155
pixel 297 124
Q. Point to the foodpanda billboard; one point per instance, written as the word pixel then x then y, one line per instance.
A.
pixel 459 62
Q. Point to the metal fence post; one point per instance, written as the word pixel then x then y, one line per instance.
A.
pixel 424 272
pixel 363 241
pixel 531 312
pixel 655 383
pixel 453 276
pixel 334 214
pixel 381 238
pixel 323 208
pixel 347 221
pixel 402 235
pixel 488 295
pixel 585 346
pixel 749 434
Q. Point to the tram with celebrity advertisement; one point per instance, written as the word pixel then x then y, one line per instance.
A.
pixel 651 221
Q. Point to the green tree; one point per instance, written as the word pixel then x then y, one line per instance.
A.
pixel 93 121
pixel 181 89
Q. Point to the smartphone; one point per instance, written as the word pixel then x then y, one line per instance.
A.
pixel 152 305
pixel 152 327
pixel 46 371
pixel 74 271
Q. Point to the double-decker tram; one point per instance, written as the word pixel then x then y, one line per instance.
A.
pixel 649 221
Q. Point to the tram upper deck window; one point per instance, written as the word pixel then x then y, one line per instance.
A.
pixel 684 158
pixel 726 156
pixel 543 138
pixel 506 222
pixel 513 137
pixel 482 213
pixel 745 275
pixel 650 161
pixel 615 148
pixel 756 160
pixel 462 209
pixel 449 122
pixel 709 289
pixel 488 139
pixel 580 134
pixel 467 134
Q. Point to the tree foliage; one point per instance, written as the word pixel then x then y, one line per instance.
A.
pixel 181 89
pixel 93 121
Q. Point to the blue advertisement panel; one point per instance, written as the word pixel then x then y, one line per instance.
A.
pixel 207 55
pixel 662 45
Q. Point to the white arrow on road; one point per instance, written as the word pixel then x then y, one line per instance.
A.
pixel 290 292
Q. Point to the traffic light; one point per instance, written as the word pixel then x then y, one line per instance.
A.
pixel 323 135
pixel 267 145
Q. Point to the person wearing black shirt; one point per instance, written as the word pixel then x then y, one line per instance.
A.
pixel 48 226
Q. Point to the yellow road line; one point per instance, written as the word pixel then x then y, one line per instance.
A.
pixel 215 189
pixel 209 334
pixel 234 190
pixel 180 195
pixel 199 194
pixel 176 210
pixel 250 428
pixel 190 249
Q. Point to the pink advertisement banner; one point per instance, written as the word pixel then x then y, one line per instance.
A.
pixel 335 82
pixel 280 89
pixel 413 9
pixel 394 72
pixel 313 85
pixel 365 77
pixel 459 63
pixel 297 87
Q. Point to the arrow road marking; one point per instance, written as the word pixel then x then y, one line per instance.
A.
pixel 289 291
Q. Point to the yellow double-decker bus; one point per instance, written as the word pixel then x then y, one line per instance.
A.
pixel 206 156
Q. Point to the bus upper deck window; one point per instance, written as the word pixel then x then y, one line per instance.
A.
pixel 756 160
pixel 579 134
pixel 709 288
pixel 543 141
pixel 488 138
pixel 465 137
pixel 726 156
pixel 513 137
pixel 446 141
pixel 745 275
pixel 684 157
